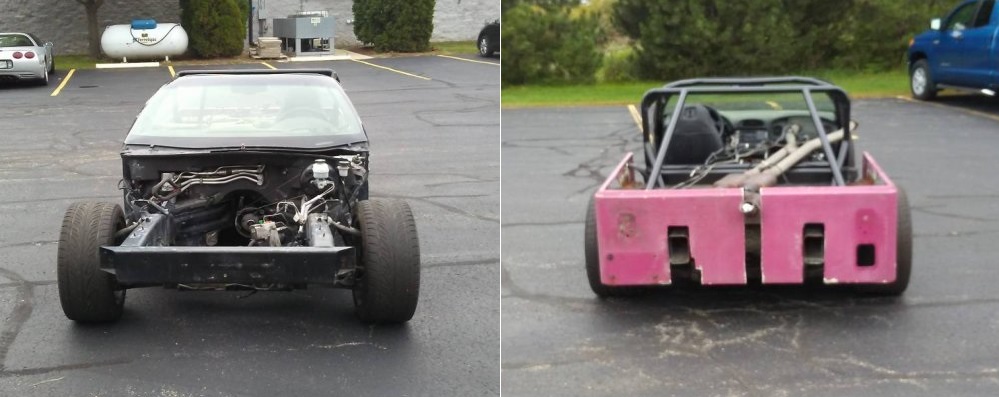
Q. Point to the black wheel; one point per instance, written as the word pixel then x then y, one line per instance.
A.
pixel 388 286
pixel 87 293
pixel 921 81
pixel 903 254
pixel 52 66
pixel 486 46
pixel 593 259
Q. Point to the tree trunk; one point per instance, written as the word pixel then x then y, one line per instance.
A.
pixel 92 29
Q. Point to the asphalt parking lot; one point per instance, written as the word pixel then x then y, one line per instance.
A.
pixel 938 339
pixel 434 126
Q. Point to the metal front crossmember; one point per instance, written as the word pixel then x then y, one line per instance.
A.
pixel 145 258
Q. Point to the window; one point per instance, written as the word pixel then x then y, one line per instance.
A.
pixel 985 13
pixel 963 17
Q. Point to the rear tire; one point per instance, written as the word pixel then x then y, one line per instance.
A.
pixel 921 81
pixel 903 255
pixel 388 287
pixel 592 252
pixel 88 294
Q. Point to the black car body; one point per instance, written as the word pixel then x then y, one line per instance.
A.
pixel 243 180
pixel 489 39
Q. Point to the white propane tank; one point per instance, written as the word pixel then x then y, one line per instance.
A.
pixel 144 39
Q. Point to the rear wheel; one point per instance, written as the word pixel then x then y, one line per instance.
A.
pixel 921 81
pixel 44 80
pixel 388 287
pixel 87 293
pixel 591 250
pixel 903 255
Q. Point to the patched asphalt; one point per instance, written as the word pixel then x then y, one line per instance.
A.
pixel 435 143
pixel 938 339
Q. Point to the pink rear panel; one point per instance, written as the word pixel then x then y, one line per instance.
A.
pixel 632 227
pixel 851 216
pixel 632 230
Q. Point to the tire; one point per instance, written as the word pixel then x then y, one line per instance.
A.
pixel 88 294
pixel 921 82
pixel 388 287
pixel 903 254
pixel 52 66
pixel 44 80
pixel 592 253
pixel 486 48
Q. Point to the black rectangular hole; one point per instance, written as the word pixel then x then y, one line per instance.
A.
pixel 813 246
pixel 678 244
pixel 865 255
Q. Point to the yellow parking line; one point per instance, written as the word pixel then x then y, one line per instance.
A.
pixel 391 70
pixel 774 105
pixel 268 65
pixel 64 81
pixel 942 106
pixel 468 60
pixel 636 116
pixel 172 73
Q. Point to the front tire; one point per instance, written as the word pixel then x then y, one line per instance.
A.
pixel 921 81
pixel 486 46
pixel 88 294
pixel 388 287
pixel 903 253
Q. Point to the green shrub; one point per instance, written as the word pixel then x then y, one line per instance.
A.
pixel 618 66
pixel 395 25
pixel 687 38
pixel 548 46
pixel 214 27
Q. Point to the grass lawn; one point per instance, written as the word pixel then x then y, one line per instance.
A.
pixel 455 47
pixel 66 62
pixel 857 84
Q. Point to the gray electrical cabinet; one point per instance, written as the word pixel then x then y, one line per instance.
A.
pixel 306 33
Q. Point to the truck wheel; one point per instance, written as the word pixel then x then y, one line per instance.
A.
pixel 921 81
pixel 88 294
pixel 485 46
pixel 389 283
pixel 903 254
pixel 593 260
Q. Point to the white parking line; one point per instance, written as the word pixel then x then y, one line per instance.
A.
pixel 391 70
pixel 468 60
pixel 268 65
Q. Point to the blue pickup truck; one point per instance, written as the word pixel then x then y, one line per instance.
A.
pixel 960 51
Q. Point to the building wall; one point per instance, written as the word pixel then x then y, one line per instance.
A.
pixel 63 22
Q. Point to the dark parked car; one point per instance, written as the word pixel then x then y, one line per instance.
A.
pixel 243 180
pixel 489 39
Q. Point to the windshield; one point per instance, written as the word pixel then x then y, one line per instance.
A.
pixel 765 107
pixel 248 108
pixel 757 101
pixel 15 40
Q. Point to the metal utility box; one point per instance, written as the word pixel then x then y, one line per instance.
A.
pixel 306 33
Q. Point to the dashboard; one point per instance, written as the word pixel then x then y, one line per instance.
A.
pixel 750 128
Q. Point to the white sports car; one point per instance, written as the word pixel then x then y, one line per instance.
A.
pixel 24 57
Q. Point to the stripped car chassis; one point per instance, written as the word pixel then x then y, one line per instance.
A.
pixel 829 224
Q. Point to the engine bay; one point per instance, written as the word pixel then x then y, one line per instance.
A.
pixel 242 199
